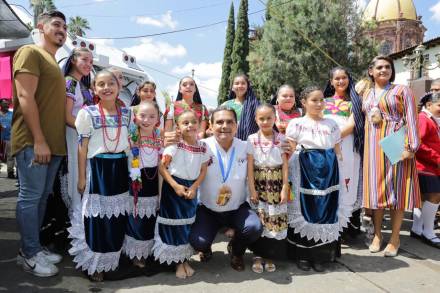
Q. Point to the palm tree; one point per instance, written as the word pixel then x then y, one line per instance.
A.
pixel 77 25
pixel 40 6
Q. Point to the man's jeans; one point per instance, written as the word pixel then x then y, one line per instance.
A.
pixel 36 183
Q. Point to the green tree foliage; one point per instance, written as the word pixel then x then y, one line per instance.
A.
pixel 227 59
pixel 283 55
pixel 240 51
pixel 77 26
pixel 40 6
pixel 268 7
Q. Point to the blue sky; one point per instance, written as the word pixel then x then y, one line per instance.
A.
pixel 178 53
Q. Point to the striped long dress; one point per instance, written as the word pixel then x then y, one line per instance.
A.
pixel 385 185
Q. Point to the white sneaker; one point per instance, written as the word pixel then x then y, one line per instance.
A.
pixel 51 257
pixel 39 266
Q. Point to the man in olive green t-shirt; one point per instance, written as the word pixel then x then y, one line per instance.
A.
pixel 38 136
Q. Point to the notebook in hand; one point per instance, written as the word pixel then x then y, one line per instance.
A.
pixel 393 145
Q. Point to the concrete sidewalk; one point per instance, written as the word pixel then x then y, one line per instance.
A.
pixel 416 269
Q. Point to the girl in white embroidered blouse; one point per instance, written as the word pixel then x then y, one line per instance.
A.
pixel 183 168
pixel 315 215
pixel 103 132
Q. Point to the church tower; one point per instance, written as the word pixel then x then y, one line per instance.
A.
pixel 394 25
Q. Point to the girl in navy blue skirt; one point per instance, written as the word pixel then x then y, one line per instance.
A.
pixel 102 180
pixel 317 214
pixel 146 149
pixel 183 168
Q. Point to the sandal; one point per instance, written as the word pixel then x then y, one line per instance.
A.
pixel 257 265
pixel 269 266
pixel 97 277
pixel 140 263
pixel 205 256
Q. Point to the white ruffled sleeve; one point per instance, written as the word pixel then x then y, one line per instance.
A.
pixel 83 124
pixel 292 131
pixel 250 146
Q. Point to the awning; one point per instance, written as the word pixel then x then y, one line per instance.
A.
pixel 11 27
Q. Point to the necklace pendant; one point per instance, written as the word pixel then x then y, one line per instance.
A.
pixel 375 116
pixel 224 195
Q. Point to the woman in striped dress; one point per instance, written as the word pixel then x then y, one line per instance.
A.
pixel 389 107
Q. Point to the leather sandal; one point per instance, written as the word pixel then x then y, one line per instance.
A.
pixel 237 263
pixel 269 266
pixel 304 265
pixel 205 256
pixel 257 265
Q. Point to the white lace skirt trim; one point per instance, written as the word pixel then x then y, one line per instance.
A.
pixel 320 192
pixel 317 232
pixel 85 258
pixel 146 206
pixel 64 191
pixel 170 253
pixel 271 209
pixel 274 235
pixel 95 205
pixel 175 222
pixel 137 248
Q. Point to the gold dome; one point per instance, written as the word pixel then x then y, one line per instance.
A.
pixel 383 10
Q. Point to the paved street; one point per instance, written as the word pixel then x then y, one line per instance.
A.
pixel 416 269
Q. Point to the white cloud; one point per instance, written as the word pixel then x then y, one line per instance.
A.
pixel 159 52
pixel 435 11
pixel 207 76
pixel 166 20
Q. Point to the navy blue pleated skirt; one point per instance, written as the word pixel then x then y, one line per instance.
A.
pixel 108 177
pixel 319 190
pixel 172 208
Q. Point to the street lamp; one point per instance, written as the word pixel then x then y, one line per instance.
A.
pixel 417 63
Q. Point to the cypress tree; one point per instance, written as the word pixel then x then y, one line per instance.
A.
pixel 227 61
pixel 240 50
pixel 268 7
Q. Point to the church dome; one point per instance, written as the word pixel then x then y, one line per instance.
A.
pixel 384 10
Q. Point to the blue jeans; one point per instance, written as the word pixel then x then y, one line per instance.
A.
pixel 36 183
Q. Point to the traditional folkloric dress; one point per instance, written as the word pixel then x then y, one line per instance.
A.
pixel 283 118
pixel 339 110
pixel 317 214
pixel 80 96
pixel 176 214
pixel 97 240
pixel 144 189
pixel 268 176
pixel 386 185
pixel 268 183
pixel 175 109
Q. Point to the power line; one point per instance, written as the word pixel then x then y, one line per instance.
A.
pixel 215 4
pixel 180 30
pixel 87 3
pixel 200 84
